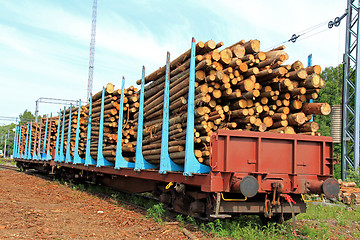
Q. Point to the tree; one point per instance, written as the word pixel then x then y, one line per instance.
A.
pixel 8 133
pixel 27 116
pixel 332 94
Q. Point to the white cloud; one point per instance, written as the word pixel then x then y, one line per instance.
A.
pixel 45 44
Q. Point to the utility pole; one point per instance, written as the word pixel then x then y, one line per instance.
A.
pixel 5 144
pixel 351 92
pixel 52 101
pixel 92 50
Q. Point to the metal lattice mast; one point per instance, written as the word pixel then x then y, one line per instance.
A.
pixel 351 91
pixel 92 50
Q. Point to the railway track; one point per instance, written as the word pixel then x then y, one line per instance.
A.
pixel 8 167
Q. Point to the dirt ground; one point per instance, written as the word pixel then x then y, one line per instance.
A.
pixel 34 208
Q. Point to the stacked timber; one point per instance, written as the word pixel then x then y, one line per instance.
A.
pixel 349 193
pixel 32 138
pixel 111 118
pixel 23 139
pixel 52 131
pixel 238 87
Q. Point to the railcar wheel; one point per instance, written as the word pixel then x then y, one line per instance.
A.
pixel 20 166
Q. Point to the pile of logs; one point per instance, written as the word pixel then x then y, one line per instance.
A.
pixel 349 193
pixel 111 118
pixel 238 87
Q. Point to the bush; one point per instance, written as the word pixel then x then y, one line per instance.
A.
pixel 156 212
pixel 354 176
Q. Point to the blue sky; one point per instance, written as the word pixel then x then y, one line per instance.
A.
pixel 44 44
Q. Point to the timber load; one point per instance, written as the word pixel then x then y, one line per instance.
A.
pixel 238 87
pixel 110 125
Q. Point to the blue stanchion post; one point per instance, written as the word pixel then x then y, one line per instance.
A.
pixel 61 154
pixel 37 148
pixel 120 161
pixel 166 164
pixel 311 100
pixel 57 156
pixel 192 165
pixel 88 159
pixel 19 145
pixel 140 162
pixel 15 143
pixel 68 158
pixel 29 148
pixel 34 156
pixel 26 142
pixel 48 155
pixel 101 161
pixel 43 155
pixel 77 158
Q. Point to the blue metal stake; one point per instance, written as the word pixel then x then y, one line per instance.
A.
pixel 37 151
pixel 15 142
pixel 140 162
pixel 48 155
pixel 88 159
pixel 61 154
pixel 57 156
pixel 34 148
pixel 77 158
pixel 68 158
pixel 29 148
pixel 101 161
pixel 43 155
pixel 26 142
pixel 19 144
pixel 166 164
pixel 192 165
pixel 120 161
pixel 311 100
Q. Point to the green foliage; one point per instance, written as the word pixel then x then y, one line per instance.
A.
pixel 325 212
pixel 319 222
pixel 156 212
pixel 317 231
pixel 8 133
pixel 354 176
pixel 332 94
pixel 248 227
pixel 27 116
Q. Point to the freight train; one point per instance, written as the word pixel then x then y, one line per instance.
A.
pixel 247 172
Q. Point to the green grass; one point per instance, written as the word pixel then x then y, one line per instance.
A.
pixel 247 227
pixel 319 222
pixel 338 212
pixel 156 212
pixel 7 161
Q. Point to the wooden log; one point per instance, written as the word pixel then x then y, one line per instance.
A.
pixel 296 119
pixel 246 85
pixel 297 65
pixel 252 46
pixel 309 127
pixel 297 75
pixel 316 108
pixel 312 81
pixel 316 69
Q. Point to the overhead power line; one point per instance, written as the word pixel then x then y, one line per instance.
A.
pixel 330 24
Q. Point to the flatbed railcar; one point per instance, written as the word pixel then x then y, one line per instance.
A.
pixel 259 173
